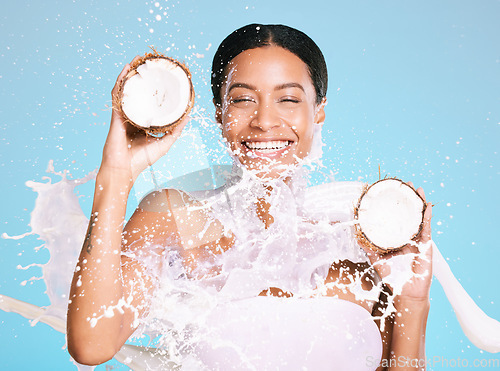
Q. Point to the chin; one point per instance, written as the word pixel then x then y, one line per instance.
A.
pixel 266 169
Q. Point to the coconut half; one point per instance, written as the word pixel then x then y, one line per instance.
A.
pixel 156 94
pixel 389 215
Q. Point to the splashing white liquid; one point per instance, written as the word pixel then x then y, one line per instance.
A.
pixel 482 330
pixel 186 307
pixel 293 254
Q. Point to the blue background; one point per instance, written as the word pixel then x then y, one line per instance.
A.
pixel 414 87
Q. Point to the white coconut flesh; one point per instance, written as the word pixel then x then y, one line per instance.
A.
pixel 157 95
pixel 390 214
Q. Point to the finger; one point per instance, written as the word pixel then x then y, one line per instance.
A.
pixel 122 75
pixel 116 89
pixel 421 193
pixel 426 234
pixel 119 80
pixel 372 256
pixel 409 248
pixel 410 184
pixel 423 260
pixel 422 263
pixel 382 267
pixel 133 131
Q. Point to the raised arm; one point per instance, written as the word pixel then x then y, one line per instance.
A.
pixel 412 306
pixel 405 335
pixel 108 290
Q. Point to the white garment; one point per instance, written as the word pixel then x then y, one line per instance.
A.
pixel 269 333
pixel 221 323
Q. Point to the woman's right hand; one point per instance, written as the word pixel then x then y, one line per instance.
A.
pixel 129 150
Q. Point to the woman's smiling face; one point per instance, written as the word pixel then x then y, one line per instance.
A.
pixel 268 109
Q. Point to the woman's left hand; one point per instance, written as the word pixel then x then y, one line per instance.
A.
pixel 408 271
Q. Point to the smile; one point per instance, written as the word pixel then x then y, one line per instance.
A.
pixel 269 146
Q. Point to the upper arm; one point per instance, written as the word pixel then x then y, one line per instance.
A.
pixel 165 220
pixel 147 234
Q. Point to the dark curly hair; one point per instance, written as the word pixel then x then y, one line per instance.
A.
pixel 258 35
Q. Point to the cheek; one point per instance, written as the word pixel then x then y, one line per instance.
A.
pixel 304 125
pixel 229 122
pixel 235 119
pixel 230 130
pixel 306 144
pixel 306 136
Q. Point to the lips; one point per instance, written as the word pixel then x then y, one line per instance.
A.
pixel 267 146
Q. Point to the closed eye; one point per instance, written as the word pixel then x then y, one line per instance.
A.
pixel 289 100
pixel 242 100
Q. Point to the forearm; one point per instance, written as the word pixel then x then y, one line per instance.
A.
pixel 97 282
pixel 408 336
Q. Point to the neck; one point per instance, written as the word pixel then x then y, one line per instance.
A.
pixel 263 212
pixel 265 189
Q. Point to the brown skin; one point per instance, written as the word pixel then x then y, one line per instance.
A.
pixel 107 277
pixel 412 304
pixel 268 96
pixel 268 100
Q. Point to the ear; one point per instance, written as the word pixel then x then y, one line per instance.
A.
pixel 319 115
pixel 218 112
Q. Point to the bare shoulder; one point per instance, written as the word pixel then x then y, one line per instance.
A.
pixel 156 201
pixel 171 217
pixel 166 200
pixel 152 223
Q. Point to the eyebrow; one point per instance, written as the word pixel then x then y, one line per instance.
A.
pixel 279 87
pixel 241 85
pixel 290 85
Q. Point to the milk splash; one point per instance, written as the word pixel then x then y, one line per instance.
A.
pixel 312 228
pixel 59 221
pixel 200 313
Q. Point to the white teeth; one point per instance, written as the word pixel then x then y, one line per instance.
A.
pixel 272 145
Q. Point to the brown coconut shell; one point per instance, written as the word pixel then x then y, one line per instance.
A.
pixel 361 236
pixel 168 127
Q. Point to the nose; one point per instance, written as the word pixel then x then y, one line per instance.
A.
pixel 265 118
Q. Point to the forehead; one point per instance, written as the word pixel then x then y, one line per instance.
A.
pixel 269 65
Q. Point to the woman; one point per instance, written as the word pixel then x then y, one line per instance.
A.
pixel 252 237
